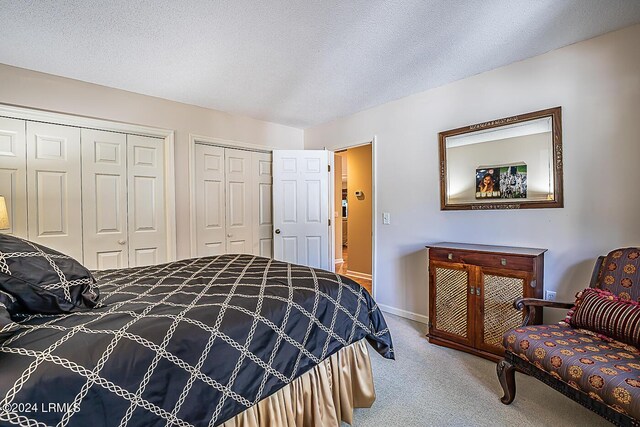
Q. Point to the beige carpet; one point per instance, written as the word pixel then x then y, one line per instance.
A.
pixel 429 385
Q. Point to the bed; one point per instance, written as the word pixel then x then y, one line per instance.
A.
pixel 237 340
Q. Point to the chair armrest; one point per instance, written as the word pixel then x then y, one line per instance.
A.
pixel 520 303
pixel 528 306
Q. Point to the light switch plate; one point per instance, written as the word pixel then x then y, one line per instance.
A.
pixel 386 218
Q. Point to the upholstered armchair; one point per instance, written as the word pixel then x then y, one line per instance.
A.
pixel 593 357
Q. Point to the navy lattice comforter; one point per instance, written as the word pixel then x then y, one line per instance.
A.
pixel 191 342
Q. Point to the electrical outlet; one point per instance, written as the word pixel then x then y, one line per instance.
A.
pixel 551 296
pixel 386 218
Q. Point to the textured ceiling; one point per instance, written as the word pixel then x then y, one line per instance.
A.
pixel 298 63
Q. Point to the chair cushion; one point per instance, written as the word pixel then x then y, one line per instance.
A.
pixel 42 280
pixel 602 312
pixel 608 371
pixel 620 273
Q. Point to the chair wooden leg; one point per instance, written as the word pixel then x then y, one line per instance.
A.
pixel 507 377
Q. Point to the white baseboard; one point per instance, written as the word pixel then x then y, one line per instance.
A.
pixel 359 275
pixel 404 313
pixel 338 261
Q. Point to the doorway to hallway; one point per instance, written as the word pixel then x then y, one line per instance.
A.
pixel 343 269
pixel 353 201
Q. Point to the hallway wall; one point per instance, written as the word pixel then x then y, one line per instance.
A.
pixel 359 209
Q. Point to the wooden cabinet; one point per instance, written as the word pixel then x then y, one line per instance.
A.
pixel 471 294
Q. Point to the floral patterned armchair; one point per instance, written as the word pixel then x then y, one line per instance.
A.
pixel 584 363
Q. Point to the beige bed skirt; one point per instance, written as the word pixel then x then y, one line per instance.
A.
pixel 321 397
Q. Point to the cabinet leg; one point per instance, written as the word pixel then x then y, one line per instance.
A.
pixel 506 375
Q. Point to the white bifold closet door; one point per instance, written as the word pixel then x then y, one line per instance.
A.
pixel 104 191
pixel 232 201
pixel 123 200
pixel 97 196
pixel 13 174
pixel 210 200
pixel 239 185
pixel 147 232
pixel 263 204
pixel 54 193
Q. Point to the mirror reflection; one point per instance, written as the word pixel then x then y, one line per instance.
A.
pixel 490 164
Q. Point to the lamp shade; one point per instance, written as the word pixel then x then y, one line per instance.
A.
pixel 4 216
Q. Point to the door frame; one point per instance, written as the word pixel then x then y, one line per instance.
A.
pixel 168 135
pixel 374 203
pixel 217 142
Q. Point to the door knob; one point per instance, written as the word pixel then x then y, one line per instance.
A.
pixel 122 242
pixel 229 235
pixel 277 231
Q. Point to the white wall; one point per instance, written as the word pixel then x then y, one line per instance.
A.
pixel 44 91
pixel 597 83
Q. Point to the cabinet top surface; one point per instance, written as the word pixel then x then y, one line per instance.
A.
pixel 511 250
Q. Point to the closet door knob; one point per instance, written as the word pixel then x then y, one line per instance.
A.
pixel 122 242
pixel 229 235
pixel 277 231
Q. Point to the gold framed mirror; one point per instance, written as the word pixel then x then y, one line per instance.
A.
pixel 509 163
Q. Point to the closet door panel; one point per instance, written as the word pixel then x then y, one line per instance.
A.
pixel 262 193
pixel 51 203
pixel 104 195
pixel 13 174
pixel 239 213
pixel 146 205
pixel 210 200
pixel 53 187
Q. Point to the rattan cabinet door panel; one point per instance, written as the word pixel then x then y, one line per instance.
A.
pixel 451 310
pixel 496 314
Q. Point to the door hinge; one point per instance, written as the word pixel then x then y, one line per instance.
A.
pixel 329 168
pixel 329 223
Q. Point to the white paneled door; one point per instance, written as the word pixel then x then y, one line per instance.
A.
pixel 54 187
pixel 210 200
pixel 262 204
pixel 301 207
pixel 147 237
pixel 13 174
pixel 239 184
pixel 104 194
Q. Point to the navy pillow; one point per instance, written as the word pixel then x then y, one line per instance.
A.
pixel 7 303
pixel 42 280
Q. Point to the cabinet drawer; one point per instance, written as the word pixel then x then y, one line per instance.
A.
pixel 497 261
pixel 444 255
pixel 509 262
